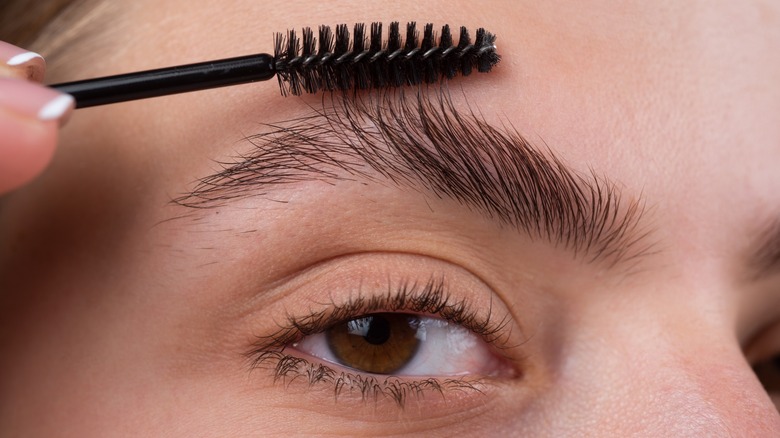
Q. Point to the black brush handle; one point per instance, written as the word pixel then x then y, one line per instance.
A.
pixel 171 80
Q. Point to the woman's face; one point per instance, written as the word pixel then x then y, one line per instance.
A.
pixel 617 274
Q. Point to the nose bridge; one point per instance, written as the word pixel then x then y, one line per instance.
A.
pixel 660 383
pixel 701 399
pixel 679 388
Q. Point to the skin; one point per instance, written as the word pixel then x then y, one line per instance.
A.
pixel 116 320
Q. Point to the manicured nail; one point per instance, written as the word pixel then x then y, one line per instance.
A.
pixel 34 100
pixel 22 63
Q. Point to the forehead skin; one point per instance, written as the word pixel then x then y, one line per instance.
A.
pixel 675 101
pixel 652 95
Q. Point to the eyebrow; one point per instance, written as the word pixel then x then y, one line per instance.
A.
pixel 422 141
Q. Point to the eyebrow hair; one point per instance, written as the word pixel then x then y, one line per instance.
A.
pixel 422 141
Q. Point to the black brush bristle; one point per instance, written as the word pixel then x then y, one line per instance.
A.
pixel 360 74
pixel 468 55
pixel 486 51
pixel 309 55
pixel 392 52
pixel 447 64
pixel 408 61
pixel 430 65
pixel 341 65
pixel 377 62
pixel 322 66
pixel 368 62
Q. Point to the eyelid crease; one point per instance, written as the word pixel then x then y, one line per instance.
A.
pixel 427 144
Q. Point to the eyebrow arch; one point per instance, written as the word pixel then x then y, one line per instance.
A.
pixel 422 141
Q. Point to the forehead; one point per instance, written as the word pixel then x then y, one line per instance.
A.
pixel 677 102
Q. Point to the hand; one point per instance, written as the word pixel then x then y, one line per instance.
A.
pixel 30 117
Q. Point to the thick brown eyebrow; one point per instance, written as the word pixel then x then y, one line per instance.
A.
pixel 422 141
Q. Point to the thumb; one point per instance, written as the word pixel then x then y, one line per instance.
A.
pixel 30 116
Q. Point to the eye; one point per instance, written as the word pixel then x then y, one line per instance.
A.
pixel 394 342
pixel 403 344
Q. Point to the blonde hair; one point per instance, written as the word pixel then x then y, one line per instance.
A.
pixel 21 23
pixel 65 32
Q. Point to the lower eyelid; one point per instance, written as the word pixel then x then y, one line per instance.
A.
pixel 290 369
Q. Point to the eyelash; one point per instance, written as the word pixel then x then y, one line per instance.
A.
pixel 431 298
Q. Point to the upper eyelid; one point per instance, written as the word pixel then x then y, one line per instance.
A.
pixel 348 286
pixel 432 299
pixel 430 145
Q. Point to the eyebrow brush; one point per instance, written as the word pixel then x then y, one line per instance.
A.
pixel 329 63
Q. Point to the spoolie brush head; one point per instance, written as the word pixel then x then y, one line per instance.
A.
pixel 369 62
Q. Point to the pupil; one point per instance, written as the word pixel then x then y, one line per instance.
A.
pixel 378 330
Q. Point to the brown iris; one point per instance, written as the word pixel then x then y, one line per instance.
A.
pixel 379 343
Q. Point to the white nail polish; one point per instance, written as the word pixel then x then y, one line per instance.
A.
pixel 56 108
pixel 22 58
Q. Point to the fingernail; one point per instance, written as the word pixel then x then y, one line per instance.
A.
pixel 23 63
pixel 34 100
